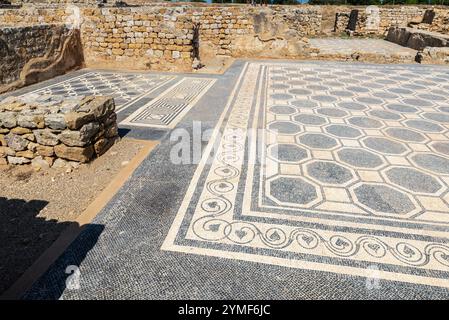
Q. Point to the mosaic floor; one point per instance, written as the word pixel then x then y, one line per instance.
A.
pixel 126 88
pixel 349 170
pixel 168 108
pixel 318 178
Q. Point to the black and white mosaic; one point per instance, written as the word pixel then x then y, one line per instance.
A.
pixel 353 173
pixel 126 88
pixel 167 109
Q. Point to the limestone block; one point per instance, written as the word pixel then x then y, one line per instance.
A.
pixel 46 137
pixel 80 154
pixel 16 142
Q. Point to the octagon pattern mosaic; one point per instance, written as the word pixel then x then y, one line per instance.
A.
pixel 126 88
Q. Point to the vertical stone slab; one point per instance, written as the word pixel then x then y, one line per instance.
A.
pixel 353 17
pixel 372 18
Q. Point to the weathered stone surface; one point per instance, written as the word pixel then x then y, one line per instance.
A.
pixel 100 107
pixel 3 140
pixel 76 120
pixel 26 154
pixel 46 137
pixel 103 145
pixel 31 121
pixel 417 39
pixel 32 146
pixel 434 55
pixel 29 137
pixel 59 163
pixel 111 119
pixel 41 129
pixel 39 163
pixel 55 121
pixel 80 154
pixel 8 119
pixel 20 130
pixel 3 162
pixel 16 142
pixel 41 50
pixel 79 138
pixel 50 160
pixel 6 151
pixel 18 160
pixel 45 151
pixel 112 131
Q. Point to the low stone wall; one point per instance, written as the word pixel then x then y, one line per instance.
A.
pixel 372 21
pixel 434 55
pixel 417 39
pixel 29 54
pixel 50 130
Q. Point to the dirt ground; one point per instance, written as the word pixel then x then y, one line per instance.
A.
pixel 35 207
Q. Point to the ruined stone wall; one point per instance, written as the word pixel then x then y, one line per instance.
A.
pixel 52 2
pixel 161 37
pixel 387 17
pixel 50 130
pixel 32 15
pixel 143 38
pixel 390 16
pixel 19 45
pixel 29 54
pixel 441 21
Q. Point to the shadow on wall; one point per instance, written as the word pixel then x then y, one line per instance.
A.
pixel 63 53
pixel 24 237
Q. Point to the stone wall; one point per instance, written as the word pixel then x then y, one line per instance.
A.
pixel 30 54
pixel 161 36
pixel 441 21
pixel 390 16
pixel 19 45
pixel 143 38
pixel 50 130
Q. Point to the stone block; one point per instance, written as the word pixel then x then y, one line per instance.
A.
pixel 46 137
pixel 18 160
pixel 76 120
pixel 80 154
pixel 16 142
pixel 55 121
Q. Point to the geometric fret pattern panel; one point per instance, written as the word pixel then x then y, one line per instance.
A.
pixel 348 173
pixel 166 110
pixel 124 87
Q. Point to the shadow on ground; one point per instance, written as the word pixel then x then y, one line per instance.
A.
pixel 24 237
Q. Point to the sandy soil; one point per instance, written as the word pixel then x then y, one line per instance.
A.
pixel 35 207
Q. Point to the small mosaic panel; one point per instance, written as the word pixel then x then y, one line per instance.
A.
pixel 126 88
pixel 166 110
pixel 351 173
